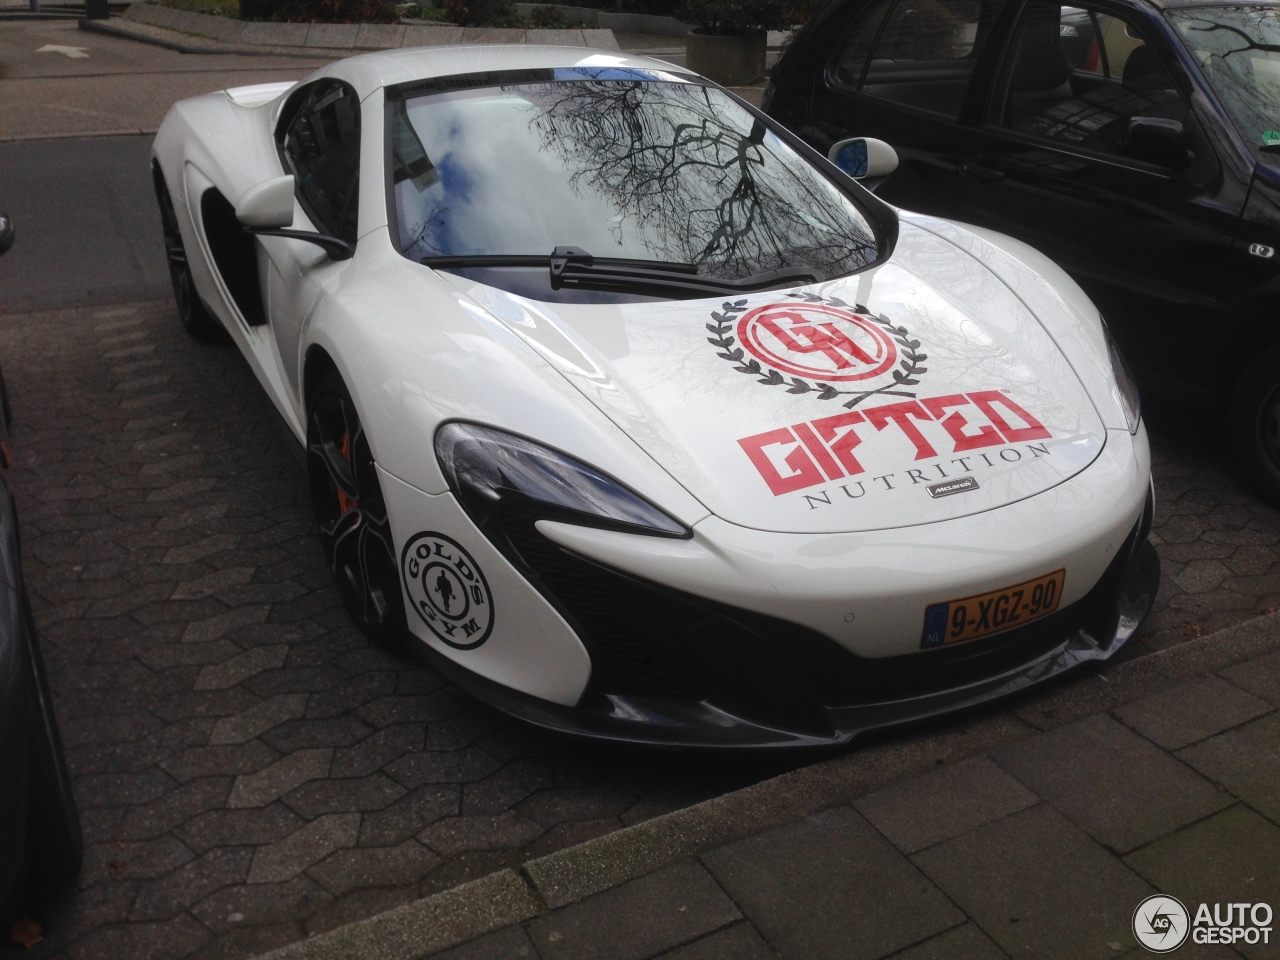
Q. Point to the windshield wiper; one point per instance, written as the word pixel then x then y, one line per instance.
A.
pixel 574 267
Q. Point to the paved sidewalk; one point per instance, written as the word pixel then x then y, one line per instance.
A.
pixel 203 33
pixel 1032 832
pixel 189 32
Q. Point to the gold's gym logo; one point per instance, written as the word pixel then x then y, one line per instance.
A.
pixel 447 590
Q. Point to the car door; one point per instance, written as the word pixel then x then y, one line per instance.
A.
pixel 319 141
pixel 1147 229
pixel 903 73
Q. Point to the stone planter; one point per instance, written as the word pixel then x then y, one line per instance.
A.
pixel 730 60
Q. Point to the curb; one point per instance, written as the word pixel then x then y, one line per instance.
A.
pixel 90 135
pixel 170 27
pixel 546 883
pixel 175 41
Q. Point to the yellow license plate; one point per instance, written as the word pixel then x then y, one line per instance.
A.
pixel 955 621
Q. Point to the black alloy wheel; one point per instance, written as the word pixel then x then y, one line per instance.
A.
pixel 54 842
pixel 352 515
pixel 1254 418
pixel 195 319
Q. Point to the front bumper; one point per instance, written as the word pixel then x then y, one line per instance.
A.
pixel 745 680
pixel 745 638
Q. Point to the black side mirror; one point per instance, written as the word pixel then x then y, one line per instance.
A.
pixel 6 232
pixel 1156 140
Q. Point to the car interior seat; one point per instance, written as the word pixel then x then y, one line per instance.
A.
pixel 1040 77
pixel 1143 71
pixel 1147 78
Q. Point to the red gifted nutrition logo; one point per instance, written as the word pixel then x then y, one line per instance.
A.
pixel 824 449
pixel 817 341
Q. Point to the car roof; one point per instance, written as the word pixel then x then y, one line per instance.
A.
pixel 368 71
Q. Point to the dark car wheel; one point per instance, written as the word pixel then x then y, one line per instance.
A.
pixel 351 514
pixel 1255 423
pixel 195 319
pixel 54 843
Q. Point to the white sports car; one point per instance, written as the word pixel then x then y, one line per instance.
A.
pixel 641 420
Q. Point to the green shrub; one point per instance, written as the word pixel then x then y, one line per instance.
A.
pixel 218 8
pixel 736 16
pixel 483 13
pixel 320 11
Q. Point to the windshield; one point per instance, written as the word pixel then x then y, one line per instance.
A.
pixel 636 165
pixel 1239 50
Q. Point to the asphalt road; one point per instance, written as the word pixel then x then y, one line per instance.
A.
pixel 88 229
pixel 93 84
pixel 81 199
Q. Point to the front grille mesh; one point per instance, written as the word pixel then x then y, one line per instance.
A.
pixel 648 640
pixel 638 637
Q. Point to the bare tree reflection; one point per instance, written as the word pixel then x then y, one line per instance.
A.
pixel 1239 50
pixel 667 158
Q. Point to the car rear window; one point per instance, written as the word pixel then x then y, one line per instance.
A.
pixel 622 164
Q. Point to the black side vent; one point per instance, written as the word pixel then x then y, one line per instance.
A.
pixel 235 254
pixel 650 641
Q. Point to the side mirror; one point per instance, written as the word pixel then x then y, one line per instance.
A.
pixel 1156 140
pixel 6 232
pixel 864 158
pixel 266 210
pixel 268 205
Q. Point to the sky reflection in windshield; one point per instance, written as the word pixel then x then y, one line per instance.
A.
pixel 634 169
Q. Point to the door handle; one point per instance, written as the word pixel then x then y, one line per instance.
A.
pixel 980 173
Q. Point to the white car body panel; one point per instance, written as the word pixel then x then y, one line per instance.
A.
pixel 868 591
pixel 790 517
pixel 556 667
pixel 648 367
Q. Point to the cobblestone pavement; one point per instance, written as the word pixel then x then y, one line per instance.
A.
pixel 249 769
pixel 1218 544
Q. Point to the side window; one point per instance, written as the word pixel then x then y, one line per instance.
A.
pixel 920 53
pixel 1078 75
pixel 320 146
pixel 929 30
pixel 846 68
pixel 923 55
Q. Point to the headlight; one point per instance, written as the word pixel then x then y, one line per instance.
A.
pixel 1126 390
pixel 489 470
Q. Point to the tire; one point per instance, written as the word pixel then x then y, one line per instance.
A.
pixel 193 316
pixel 54 842
pixel 1254 418
pixel 351 514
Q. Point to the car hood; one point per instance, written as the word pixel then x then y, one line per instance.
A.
pixel 916 391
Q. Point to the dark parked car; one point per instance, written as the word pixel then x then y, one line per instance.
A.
pixel 1131 140
pixel 40 841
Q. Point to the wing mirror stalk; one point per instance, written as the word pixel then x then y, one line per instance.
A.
pixel 1156 140
pixel 865 159
pixel 266 210
pixel 335 248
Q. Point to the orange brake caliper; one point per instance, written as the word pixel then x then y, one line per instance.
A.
pixel 346 503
